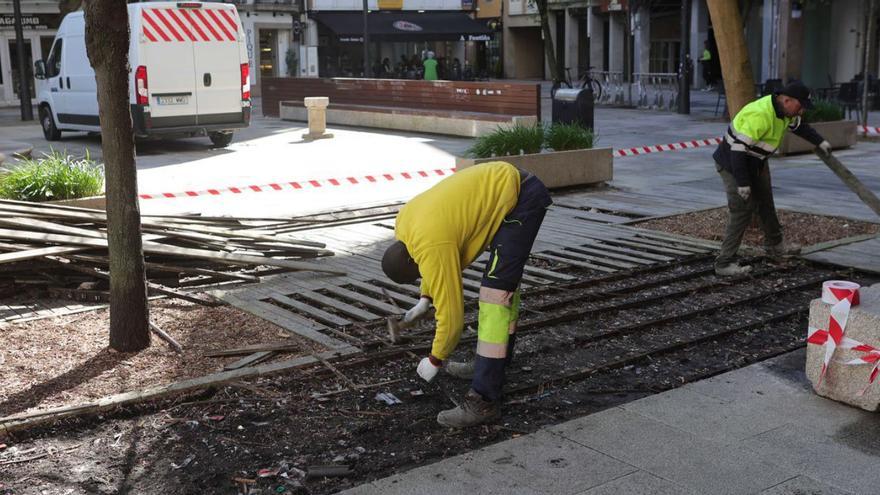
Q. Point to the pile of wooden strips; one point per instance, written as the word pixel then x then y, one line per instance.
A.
pixel 64 249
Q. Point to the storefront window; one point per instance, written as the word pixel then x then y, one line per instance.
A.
pixel 28 63
pixel 268 52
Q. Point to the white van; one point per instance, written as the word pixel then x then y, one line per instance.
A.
pixel 189 73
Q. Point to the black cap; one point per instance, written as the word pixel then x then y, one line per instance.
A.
pixel 797 90
pixel 399 265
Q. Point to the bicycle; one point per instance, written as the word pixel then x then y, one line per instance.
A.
pixel 582 81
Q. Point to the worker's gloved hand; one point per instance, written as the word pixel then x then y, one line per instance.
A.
pixel 744 192
pixel 418 310
pixel 428 368
pixel 825 146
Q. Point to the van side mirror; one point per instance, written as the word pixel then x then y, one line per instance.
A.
pixel 40 69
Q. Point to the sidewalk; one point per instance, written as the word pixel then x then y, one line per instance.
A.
pixel 759 429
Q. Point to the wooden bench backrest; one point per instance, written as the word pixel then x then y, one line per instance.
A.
pixel 501 98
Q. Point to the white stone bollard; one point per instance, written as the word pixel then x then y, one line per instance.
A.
pixel 317 107
pixel 843 382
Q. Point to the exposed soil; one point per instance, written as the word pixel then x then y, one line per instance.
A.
pixel 581 349
pixel 64 361
pixel 798 228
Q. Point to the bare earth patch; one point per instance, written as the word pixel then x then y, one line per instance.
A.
pixel 66 360
pixel 798 228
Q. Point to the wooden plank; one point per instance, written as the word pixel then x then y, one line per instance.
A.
pixel 367 301
pixel 39 253
pixel 581 264
pixel 157 248
pixel 381 291
pixel 315 313
pixel 588 257
pixel 610 254
pixel 251 360
pixel 621 249
pixel 340 306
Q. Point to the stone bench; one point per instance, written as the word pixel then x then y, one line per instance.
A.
pixel 450 122
pixel 844 382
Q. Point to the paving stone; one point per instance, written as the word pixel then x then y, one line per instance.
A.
pixel 843 382
pixel 550 463
pixel 803 485
pixel 847 462
pixel 455 475
pixel 639 483
pixel 685 459
pixel 706 417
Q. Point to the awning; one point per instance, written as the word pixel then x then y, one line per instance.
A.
pixel 404 26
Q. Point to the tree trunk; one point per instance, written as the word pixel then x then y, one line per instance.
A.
pixel 549 51
pixel 739 84
pixel 107 39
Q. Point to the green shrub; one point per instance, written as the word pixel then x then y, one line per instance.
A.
pixel 504 141
pixel 55 176
pixel 823 111
pixel 565 137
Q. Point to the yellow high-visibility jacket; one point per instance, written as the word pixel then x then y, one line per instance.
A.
pixel 446 227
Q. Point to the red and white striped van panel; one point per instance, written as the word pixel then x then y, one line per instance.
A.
pixel 197 25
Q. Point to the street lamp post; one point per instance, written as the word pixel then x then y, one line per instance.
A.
pixel 366 43
pixel 684 88
pixel 24 92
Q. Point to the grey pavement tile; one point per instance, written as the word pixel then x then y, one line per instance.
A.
pixel 706 417
pixel 550 463
pixel 846 462
pixel 702 465
pixel 455 475
pixel 639 483
pixel 804 485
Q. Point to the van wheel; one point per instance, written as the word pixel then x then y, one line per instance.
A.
pixel 220 139
pixel 50 131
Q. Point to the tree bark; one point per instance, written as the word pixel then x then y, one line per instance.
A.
pixel 107 40
pixel 736 70
pixel 544 14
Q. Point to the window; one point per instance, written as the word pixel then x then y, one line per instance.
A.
pixel 53 63
pixel 664 56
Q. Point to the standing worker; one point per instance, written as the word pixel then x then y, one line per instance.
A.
pixel 741 159
pixel 708 67
pixel 430 65
pixel 443 230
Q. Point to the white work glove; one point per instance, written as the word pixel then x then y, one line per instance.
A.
pixel 418 310
pixel 427 370
pixel 825 146
pixel 744 192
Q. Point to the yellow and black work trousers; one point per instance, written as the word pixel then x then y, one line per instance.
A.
pixel 499 294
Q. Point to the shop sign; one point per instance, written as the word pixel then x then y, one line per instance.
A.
pixel 406 26
pixel 467 4
pixel 31 21
pixel 476 37
pixel 613 5
pixel 390 4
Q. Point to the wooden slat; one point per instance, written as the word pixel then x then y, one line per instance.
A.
pixel 581 264
pixel 313 312
pixel 367 301
pixel 340 306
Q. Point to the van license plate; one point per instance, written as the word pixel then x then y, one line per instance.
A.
pixel 173 100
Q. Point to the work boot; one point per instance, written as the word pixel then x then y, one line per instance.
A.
pixel 472 411
pixel 464 371
pixel 732 270
pixel 782 249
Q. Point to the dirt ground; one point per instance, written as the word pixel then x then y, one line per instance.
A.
pixel 798 228
pixel 66 360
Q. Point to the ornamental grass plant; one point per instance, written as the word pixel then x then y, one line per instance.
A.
pixel 54 176
pixel 823 111
pixel 526 140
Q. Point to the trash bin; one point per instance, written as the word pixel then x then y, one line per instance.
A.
pixel 573 105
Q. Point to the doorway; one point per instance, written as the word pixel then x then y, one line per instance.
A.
pixel 14 66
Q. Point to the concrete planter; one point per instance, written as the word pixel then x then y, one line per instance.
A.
pixel 841 134
pixel 559 168
pixel 93 202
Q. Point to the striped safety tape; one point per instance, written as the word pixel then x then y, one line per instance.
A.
pixel 197 25
pixel 642 150
pixel 869 131
pixel 305 184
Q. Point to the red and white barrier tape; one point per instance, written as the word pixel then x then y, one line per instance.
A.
pixel 843 295
pixel 642 150
pixel 366 179
pixel 869 131
pixel 305 184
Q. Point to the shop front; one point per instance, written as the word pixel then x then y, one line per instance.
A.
pixel 39 32
pixel 400 41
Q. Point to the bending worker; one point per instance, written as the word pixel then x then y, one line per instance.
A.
pixel 443 230
pixel 741 159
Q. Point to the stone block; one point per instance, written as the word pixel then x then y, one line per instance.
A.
pixel 844 382
pixel 841 134
pixel 559 168
pixel 316 106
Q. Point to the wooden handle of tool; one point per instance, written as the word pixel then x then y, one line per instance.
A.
pixel 851 181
